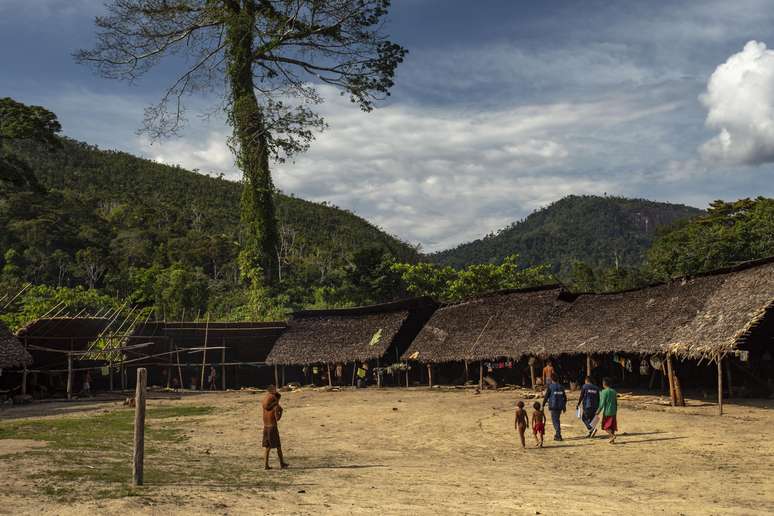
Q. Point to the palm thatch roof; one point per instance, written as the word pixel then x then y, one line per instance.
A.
pixel 349 335
pixel 704 315
pixel 12 353
pixel 742 300
pixel 500 324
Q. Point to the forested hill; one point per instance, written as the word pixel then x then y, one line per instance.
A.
pixel 599 231
pixel 109 216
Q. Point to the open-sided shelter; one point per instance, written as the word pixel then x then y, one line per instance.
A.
pixel 181 350
pixel 379 333
pixel 59 347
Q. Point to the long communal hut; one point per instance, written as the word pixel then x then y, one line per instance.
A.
pixel 318 344
pixel 724 318
pixel 490 331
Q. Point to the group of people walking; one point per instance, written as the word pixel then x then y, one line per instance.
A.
pixel 596 408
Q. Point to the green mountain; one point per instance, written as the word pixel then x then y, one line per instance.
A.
pixel 118 222
pixel 600 231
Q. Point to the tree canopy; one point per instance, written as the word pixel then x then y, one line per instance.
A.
pixel 264 59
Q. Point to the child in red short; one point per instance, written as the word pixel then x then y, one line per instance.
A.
pixel 538 424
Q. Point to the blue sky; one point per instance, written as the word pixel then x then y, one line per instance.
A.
pixel 501 107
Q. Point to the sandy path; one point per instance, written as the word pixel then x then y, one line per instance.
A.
pixel 450 451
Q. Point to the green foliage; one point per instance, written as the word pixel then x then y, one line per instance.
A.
pixel 21 122
pixel 730 232
pixel 600 231
pixel 448 284
pixel 584 278
pixel 40 300
pixel 138 230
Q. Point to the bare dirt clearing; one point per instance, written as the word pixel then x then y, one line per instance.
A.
pixel 390 451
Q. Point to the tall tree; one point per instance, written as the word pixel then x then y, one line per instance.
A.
pixel 19 122
pixel 264 59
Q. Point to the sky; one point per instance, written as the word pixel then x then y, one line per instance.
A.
pixel 501 107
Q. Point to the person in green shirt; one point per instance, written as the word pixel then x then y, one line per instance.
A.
pixel 608 409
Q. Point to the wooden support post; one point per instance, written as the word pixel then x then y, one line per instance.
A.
pixel 223 366
pixel 330 378
pixel 139 426
pixel 69 376
pixel 354 370
pixel 378 374
pixel 407 376
pixel 720 385
pixel 110 374
pixel 276 376
pixel 467 373
pixel 430 375
pixel 179 369
pixel 679 399
pixel 588 364
pixel 481 375
pixel 204 353
pixel 24 373
pixel 671 378
pixel 532 372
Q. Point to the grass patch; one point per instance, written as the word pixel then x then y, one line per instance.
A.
pixel 96 450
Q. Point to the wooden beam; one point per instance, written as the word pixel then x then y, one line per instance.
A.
pixel 138 456
pixel 430 375
pixel 467 373
pixel 276 376
pixel 671 378
pixel 69 376
pixel 532 371
pixel 223 366
pixel 204 353
pixel 330 379
pixel 720 384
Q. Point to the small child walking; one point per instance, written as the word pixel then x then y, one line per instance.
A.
pixel 520 424
pixel 538 424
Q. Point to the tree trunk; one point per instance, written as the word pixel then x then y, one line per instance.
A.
pixel 258 218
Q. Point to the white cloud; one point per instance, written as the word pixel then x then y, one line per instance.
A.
pixel 740 103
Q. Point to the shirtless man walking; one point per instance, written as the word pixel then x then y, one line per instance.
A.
pixel 272 412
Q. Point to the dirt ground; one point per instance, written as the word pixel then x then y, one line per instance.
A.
pixel 417 451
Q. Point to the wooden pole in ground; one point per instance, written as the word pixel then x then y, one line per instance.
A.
pixel 671 378
pixel 720 384
pixel 179 368
pixel 276 376
pixel 481 375
pixel 330 379
pixel 467 373
pixel 110 374
pixel 354 370
pixel 69 376
pixel 532 372
pixel 223 365
pixel 24 373
pixel 139 426
pixel 429 375
pixel 378 374
pixel 204 353
pixel 588 364
pixel 407 376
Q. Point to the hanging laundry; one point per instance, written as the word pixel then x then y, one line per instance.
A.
pixel 644 367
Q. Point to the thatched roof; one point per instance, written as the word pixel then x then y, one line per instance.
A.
pixel 742 298
pixel 697 316
pixel 500 324
pixel 345 335
pixel 12 353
